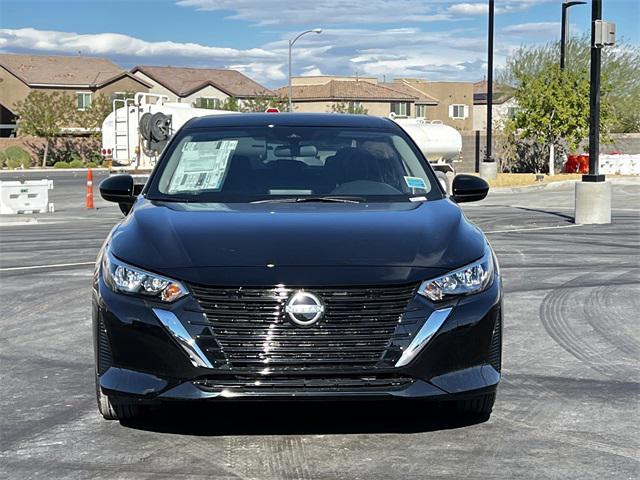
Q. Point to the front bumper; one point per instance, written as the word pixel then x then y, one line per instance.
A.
pixel 148 362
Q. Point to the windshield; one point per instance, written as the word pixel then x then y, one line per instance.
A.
pixel 281 163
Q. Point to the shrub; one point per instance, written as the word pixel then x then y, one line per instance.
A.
pixel 76 163
pixel 92 165
pixel 12 163
pixel 68 149
pixel 61 164
pixel 17 157
pixel 94 157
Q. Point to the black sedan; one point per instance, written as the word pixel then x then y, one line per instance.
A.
pixel 295 256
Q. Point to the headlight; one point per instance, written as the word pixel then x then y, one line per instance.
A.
pixel 468 280
pixel 124 278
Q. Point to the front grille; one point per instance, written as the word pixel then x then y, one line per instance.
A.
pixel 495 349
pixel 250 330
pixel 319 384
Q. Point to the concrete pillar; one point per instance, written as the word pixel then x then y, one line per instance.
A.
pixel 593 203
pixel 489 170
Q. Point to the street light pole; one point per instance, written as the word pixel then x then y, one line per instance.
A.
pixel 594 98
pixel 593 194
pixel 565 29
pixel 291 43
pixel 490 83
pixel 488 167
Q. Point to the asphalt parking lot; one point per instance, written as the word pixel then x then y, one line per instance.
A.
pixel 567 407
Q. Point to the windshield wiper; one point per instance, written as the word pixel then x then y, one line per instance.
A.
pixel 312 199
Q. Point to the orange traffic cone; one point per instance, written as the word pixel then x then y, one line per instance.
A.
pixel 89 199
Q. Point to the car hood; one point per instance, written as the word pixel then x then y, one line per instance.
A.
pixel 399 237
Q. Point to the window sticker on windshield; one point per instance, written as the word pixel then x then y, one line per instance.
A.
pixel 415 182
pixel 202 166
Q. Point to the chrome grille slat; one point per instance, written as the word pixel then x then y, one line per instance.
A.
pixel 250 328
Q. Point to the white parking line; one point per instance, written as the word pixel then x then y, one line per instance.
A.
pixel 533 228
pixel 55 265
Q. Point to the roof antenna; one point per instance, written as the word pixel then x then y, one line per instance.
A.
pixel 357 78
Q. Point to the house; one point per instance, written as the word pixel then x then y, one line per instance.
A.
pixel 332 93
pixel 201 87
pixel 424 105
pixel 504 104
pixel 455 101
pixel 80 76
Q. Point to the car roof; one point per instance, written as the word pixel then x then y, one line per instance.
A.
pixel 290 120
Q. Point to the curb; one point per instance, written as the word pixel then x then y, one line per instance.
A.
pixel 51 170
pixel 552 185
pixel 532 188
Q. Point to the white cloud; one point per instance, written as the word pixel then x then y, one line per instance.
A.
pixel 109 43
pixel 323 12
pixel 261 71
pixel 541 29
pixel 341 12
pixel 469 8
pixel 311 71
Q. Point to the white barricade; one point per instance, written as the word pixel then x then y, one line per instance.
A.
pixel 620 164
pixel 31 196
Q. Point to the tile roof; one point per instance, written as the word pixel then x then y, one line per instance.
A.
pixel 501 93
pixel 347 90
pixel 63 70
pixel 405 87
pixel 184 81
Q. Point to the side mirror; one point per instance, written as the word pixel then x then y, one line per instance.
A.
pixel 119 189
pixel 468 188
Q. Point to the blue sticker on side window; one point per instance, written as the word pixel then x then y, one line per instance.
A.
pixel 415 182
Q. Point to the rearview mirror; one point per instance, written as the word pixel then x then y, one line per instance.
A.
pixel 303 151
pixel 119 189
pixel 468 188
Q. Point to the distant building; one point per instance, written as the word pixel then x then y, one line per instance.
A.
pixel 328 93
pixel 79 76
pixel 425 104
pixel 201 87
pixel 504 104
pixel 455 101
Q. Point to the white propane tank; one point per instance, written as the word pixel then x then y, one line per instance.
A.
pixel 438 142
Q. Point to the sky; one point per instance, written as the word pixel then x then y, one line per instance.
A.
pixel 431 39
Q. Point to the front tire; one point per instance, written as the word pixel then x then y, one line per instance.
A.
pixel 117 409
pixel 479 406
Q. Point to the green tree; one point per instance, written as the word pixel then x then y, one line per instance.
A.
pixel 554 110
pixel 620 72
pixel 93 117
pixel 262 102
pixel 44 114
pixel 355 108
pixel 231 104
